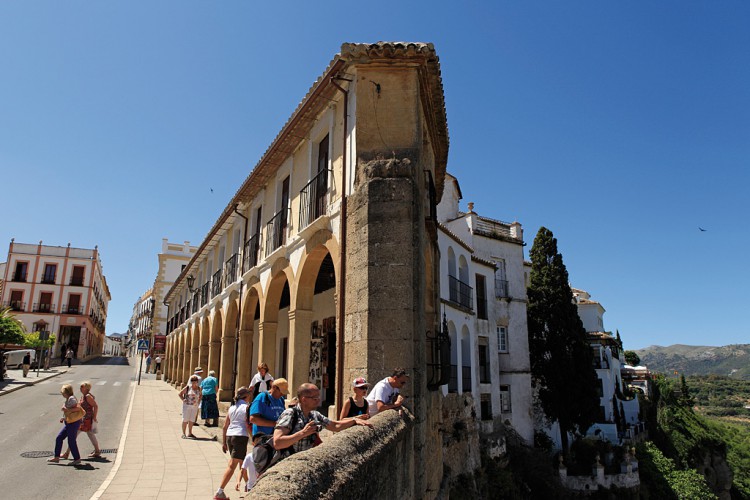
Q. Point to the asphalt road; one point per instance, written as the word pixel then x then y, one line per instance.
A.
pixel 30 421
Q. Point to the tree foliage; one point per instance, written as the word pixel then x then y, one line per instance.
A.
pixel 32 341
pixel 561 359
pixel 632 358
pixel 11 329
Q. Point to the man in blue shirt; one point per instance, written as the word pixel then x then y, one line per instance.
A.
pixel 267 406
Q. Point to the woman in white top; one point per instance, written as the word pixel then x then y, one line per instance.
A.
pixel 235 434
pixel 191 397
pixel 261 382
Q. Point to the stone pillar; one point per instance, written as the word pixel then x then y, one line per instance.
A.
pixel 167 361
pixel 299 348
pixel 267 345
pixel 214 357
pixel 179 380
pixel 228 341
pixel 202 359
pixel 245 367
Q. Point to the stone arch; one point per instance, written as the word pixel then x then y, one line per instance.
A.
pixel 463 269
pixel 466 364
pixel 205 340
pixel 192 351
pixel 269 339
pixel 214 346
pixel 451 262
pixel 228 347
pixel 247 357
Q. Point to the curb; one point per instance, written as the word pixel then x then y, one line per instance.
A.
pixel 34 382
pixel 120 451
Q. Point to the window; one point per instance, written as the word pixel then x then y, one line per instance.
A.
pixel 502 339
pixel 74 304
pixel 486 407
pixel 484 361
pixel 21 271
pixel 77 278
pixel 45 302
pixel 16 300
pixel 481 297
pixel 501 282
pixel 505 398
pixel 49 273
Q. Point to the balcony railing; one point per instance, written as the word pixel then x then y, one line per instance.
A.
pixel 16 305
pixel 501 289
pixel 19 277
pixel 250 253
pixel 466 378
pixel 43 307
pixel 197 301
pixel 313 199
pixel 460 293
pixel 453 383
pixel 204 292
pixel 276 231
pixel 76 281
pixel 48 280
pixel 188 309
pixel 68 309
pixel 216 284
pixel 230 269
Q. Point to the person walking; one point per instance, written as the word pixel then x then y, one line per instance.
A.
pixel 72 417
pixel 148 363
pixel 191 396
pixel 89 422
pixel 158 364
pixel 209 407
pixel 26 364
pixel 235 437
pixel 69 356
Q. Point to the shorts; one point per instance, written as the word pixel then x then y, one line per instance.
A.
pixel 237 446
pixel 189 412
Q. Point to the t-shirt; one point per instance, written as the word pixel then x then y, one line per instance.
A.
pixel 237 416
pixel 249 465
pixel 208 385
pixel 268 407
pixel 265 382
pixel 381 392
pixel 71 402
pixel 285 421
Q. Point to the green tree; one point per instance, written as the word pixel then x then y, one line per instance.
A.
pixel 32 341
pixel 561 359
pixel 632 358
pixel 11 329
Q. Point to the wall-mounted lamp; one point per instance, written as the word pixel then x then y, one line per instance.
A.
pixel 190 282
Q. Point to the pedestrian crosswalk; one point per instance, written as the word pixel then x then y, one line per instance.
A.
pixel 115 383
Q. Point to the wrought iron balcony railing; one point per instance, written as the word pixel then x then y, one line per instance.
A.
pixel 16 305
pixel 70 309
pixel 230 270
pixel 43 307
pixel 48 279
pixel 19 276
pixel 460 293
pixel 197 301
pixel 76 281
pixel 250 253
pixel 216 284
pixel 205 289
pixel 313 199
pixel 276 231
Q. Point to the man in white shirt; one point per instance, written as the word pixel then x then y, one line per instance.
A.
pixel 385 395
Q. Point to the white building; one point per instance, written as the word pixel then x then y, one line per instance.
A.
pixel 113 344
pixel 483 295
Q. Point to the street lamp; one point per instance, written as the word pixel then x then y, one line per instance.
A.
pixel 190 282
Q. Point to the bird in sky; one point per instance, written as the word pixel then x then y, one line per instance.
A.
pixel 212 190
pixel 702 230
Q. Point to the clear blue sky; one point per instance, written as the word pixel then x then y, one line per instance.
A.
pixel 621 126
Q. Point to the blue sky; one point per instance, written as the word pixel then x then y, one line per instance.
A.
pixel 620 126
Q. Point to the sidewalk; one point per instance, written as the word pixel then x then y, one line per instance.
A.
pixel 14 379
pixel 153 461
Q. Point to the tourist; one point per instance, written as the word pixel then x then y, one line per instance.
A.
pixel 198 373
pixel 267 406
pixel 72 417
pixel 158 364
pixel 191 396
pixel 356 406
pixel 69 356
pixel 89 423
pixel 26 363
pixel 298 427
pixel 235 437
pixel 385 395
pixel 209 407
pixel 148 363
pixel 261 381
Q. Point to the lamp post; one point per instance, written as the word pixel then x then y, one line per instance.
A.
pixel 190 282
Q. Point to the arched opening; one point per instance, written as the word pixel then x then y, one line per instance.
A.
pixel 214 346
pixel 247 360
pixel 465 360
pixel 228 346
pixel 463 269
pixel 453 384
pixel 273 330
pixel 451 262
pixel 205 338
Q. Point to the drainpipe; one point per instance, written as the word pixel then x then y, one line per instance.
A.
pixel 342 277
pixel 238 325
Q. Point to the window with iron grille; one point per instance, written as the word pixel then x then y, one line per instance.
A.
pixel 484 361
pixel 486 407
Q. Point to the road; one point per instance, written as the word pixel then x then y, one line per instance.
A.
pixel 30 421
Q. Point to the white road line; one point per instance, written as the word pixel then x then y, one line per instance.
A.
pixel 101 382
pixel 117 384
pixel 67 381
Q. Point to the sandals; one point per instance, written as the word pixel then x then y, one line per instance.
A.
pixel 184 436
pixel 53 460
pixel 95 455
pixel 192 436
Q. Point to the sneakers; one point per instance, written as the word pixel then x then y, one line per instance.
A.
pixel 221 496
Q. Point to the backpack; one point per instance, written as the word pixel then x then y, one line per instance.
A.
pixel 256 388
pixel 264 453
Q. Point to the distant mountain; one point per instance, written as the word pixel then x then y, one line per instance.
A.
pixel 731 360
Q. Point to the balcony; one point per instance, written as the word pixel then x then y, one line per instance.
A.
pixel 466 378
pixel 48 280
pixel 313 199
pixel 43 307
pixel 501 289
pixel 71 309
pixel 16 305
pixel 196 301
pixel 276 231
pixel 461 293
pixel 250 253
pixel 204 293
pixel 230 269
pixel 76 281
pixel 216 283
pixel 19 277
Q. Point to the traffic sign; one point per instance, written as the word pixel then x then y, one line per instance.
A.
pixel 143 344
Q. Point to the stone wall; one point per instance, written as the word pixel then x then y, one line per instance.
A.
pixel 356 463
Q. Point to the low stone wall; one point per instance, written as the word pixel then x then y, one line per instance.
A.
pixel 356 463
pixel 626 480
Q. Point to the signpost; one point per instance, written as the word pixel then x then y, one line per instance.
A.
pixel 142 347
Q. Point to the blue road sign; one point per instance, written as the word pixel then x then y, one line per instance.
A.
pixel 143 344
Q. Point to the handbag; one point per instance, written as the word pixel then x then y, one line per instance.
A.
pixel 74 416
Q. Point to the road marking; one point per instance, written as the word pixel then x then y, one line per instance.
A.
pixel 67 381
pixel 117 384
pixel 102 382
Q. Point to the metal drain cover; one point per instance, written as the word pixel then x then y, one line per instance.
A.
pixel 37 454
pixel 109 450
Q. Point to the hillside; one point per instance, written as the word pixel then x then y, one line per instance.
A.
pixel 731 361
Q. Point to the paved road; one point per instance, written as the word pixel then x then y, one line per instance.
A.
pixel 29 419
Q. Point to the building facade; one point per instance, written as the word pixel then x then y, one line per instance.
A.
pixel 141 320
pixel 325 262
pixel 113 345
pixel 62 290
pixel 483 296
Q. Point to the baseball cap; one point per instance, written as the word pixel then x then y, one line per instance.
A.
pixel 282 384
pixel 198 369
pixel 360 382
